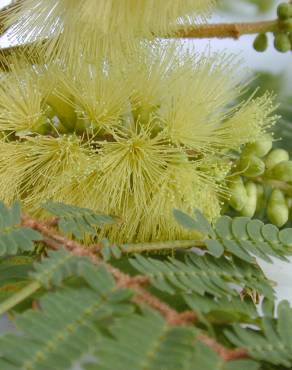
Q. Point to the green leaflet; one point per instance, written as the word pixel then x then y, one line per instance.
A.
pixel 13 237
pixel 271 344
pixel 198 222
pixel 206 359
pixel 65 327
pixel 60 265
pixel 145 342
pixel 77 221
pixel 241 237
pixel 202 275
pixel 223 310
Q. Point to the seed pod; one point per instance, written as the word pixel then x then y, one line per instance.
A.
pixel 278 211
pixel 284 11
pixel 260 147
pixel 282 42
pixel 251 165
pixel 282 171
pixel 276 156
pixel 250 207
pixel 238 194
pixel 260 43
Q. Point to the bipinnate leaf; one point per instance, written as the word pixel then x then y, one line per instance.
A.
pixel 15 238
pixel 270 344
pixel 66 326
pixel 77 221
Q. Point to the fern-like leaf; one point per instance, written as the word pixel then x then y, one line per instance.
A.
pixel 207 359
pixel 77 221
pixel 224 309
pixel 59 266
pixel 240 236
pixel 13 237
pixel 145 342
pixel 202 275
pixel 273 343
pixel 66 326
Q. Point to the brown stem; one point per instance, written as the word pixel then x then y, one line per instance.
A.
pixel 231 30
pixel 142 296
pixel 226 354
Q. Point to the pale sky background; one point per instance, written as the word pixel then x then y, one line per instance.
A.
pixel 271 61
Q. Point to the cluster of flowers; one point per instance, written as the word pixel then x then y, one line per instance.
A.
pixel 261 181
pixel 135 132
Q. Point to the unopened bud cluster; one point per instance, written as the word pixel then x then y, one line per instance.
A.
pixel 283 37
pixel 259 182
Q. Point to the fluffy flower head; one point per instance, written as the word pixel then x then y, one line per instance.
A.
pixel 92 25
pixel 160 140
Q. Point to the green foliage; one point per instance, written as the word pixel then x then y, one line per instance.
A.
pixel 60 265
pixel 66 326
pixel 13 237
pixel 87 307
pixel 202 275
pixel 146 342
pixel 206 359
pixel 241 237
pixel 222 309
pixel 273 343
pixel 77 221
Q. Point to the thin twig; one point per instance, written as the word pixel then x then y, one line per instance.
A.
pixel 215 30
pixel 231 30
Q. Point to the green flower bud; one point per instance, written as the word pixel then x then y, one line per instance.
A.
pixel 250 207
pixel 238 194
pixel 42 126
pixel 260 43
pixel 286 26
pixel 81 125
pixel 276 156
pixel 64 110
pixel 278 211
pixel 284 11
pixel 260 147
pixel 289 202
pixel 282 42
pixel 49 112
pixel 61 129
pixel 282 171
pixel 260 197
pixel 251 165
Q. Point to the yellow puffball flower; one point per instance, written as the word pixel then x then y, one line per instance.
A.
pixel 150 133
pixel 22 93
pixel 69 27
